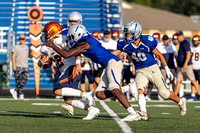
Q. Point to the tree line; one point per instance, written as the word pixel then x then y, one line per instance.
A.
pixel 185 7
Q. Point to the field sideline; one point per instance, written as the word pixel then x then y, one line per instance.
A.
pixel 45 115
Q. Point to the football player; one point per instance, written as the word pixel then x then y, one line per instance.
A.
pixel 73 18
pixel 82 42
pixel 67 83
pixel 141 49
pixel 195 50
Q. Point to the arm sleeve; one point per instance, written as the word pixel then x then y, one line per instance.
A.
pixel 44 50
pixel 120 45
pixel 153 43
pixel 14 49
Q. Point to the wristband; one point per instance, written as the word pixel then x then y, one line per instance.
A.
pixel 78 61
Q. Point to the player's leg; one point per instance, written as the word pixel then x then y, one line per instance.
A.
pixel 113 72
pixel 178 80
pixel 158 80
pixel 193 90
pixel 141 83
pixel 101 90
pixel 67 85
pixel 90 77
pixel 191 77
pixel 82 84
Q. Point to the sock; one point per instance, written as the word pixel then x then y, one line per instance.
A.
pixel 131 110
pixel 142 103
pixel 125 88
pixel 78 103
pixel 149 91
pixel 70 92
pixel 193 95
pixel 181 102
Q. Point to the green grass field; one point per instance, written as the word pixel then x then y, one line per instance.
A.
pixel 21 116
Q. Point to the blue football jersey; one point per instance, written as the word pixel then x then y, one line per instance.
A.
pixel 96 52
pixel 142 54
pixel 64 30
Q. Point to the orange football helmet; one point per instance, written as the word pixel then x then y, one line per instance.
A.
pixel 156 35
pixel 174 36
pixel 51 30
pixel 96 35
pixel 115 33
pixel 196 38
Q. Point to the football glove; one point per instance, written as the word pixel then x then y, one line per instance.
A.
pixel 169 73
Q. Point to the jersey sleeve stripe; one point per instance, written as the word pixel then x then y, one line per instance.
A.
pixel 81 44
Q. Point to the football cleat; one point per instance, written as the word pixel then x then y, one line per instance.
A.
pixel 21 96
pixel 183 107
pixel 134 117
pixel 191 98
pixel 14 93
pixel 143 115
pixel 147 98
pixel 68 108
pixel 92 112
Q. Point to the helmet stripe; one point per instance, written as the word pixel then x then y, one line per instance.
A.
pixel 77 28
pixel 50 29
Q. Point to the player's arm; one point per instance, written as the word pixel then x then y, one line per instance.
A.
pixel 133 66
pixel 164 63
pixel 159 56
pixel 70 52
pixel 116 52
pixel 78 64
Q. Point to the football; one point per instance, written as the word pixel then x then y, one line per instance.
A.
pixel 46 57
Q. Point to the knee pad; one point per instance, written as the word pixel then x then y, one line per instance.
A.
pixel 164 94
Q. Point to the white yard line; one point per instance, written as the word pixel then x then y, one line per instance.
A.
pixel 123 125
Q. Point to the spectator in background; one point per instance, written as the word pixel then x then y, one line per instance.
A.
pixel 169 52
pixel 20 55
pixel 108 43
pixel 97 68
pixel 184 62
pixel 86 66
pixel 175 41
pixel 195 49
pixel 96 35
pixel 156 36
pixel 115 35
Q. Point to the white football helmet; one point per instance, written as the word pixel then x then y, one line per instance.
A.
pixel 133 28
pixel 75 32
pixel 74 16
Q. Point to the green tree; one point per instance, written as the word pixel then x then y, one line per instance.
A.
pixel 186 7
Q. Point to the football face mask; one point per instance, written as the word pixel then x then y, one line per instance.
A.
pixel 70 41
pixel 44 36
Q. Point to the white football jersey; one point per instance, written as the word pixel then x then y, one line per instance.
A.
pixel 60 62
pixel 195 57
